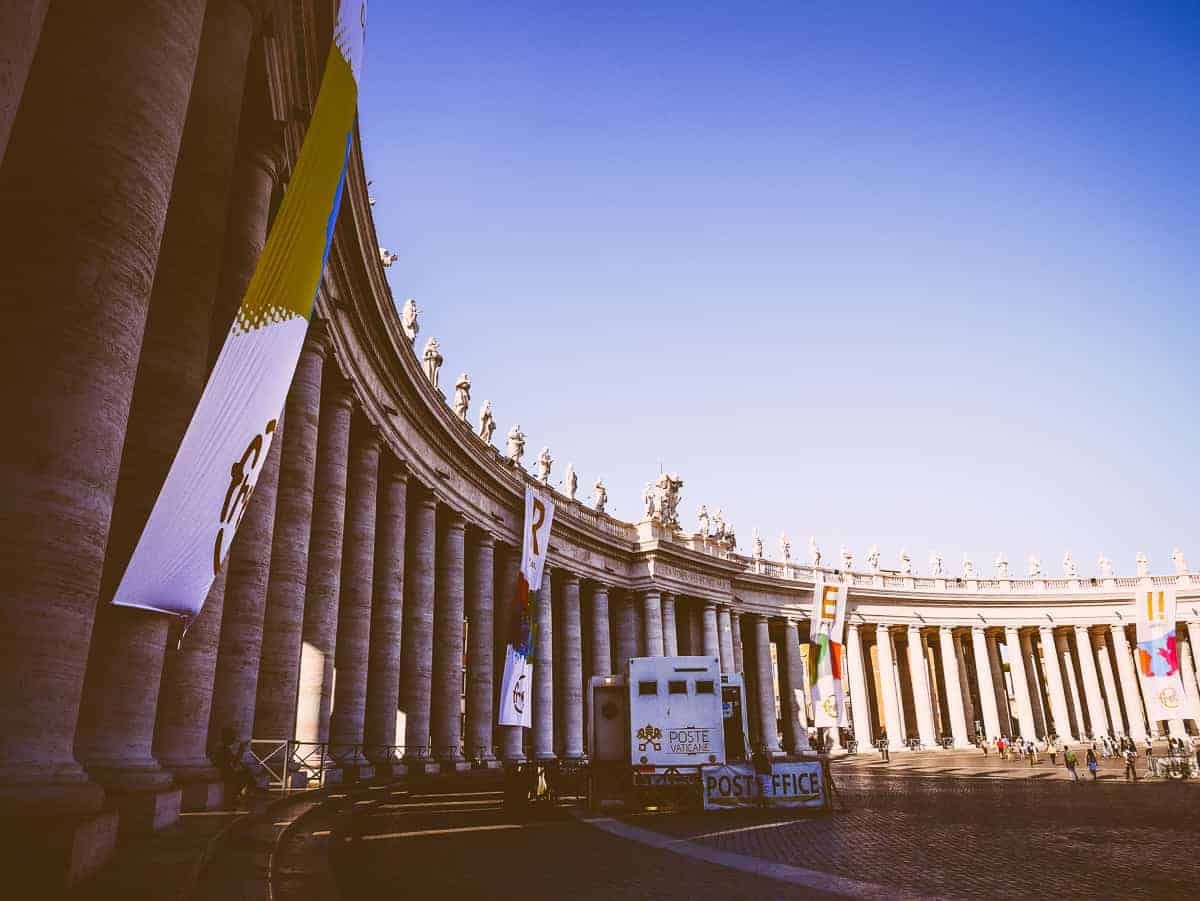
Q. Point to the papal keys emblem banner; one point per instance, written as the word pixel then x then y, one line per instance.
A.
pixel 826 653
pixel 202 501
pixel 1158 656
pixel 515 684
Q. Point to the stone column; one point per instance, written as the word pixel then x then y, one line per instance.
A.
pixel 510 739
pixel 791 671
pixel 1193 630
pixel 601 650
pixel 999 687
pixel 1016 668
pixel 1062 643
pixel 1187 670
pixel 766 685
pixel 543 672
pixel 670 635
pixel 987 687
pixel 279 670
pixel 354 606
pixel 735 625
pixel 892 721
pixel 860 703
pixel 958 720
pixel 964 685
pixel 725 627
pixel 239 650
pixel 416 646
pixel 319 636
pixel 572 668
pixel 1097 725
pixel 1033 683
pixel 1109 683
pixel 480 585
pixel 626 635
pixel 1130 693
pixel 20 28
pixel 448 642
pixel 712 641
pixel 920 688
pixel 652 618
pixel 387 613
pixel 1054 685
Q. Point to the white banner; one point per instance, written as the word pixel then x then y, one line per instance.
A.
pixel 211 480
pixel 797 784
pixel 1158 655
pixel 826 653
pixel 516 682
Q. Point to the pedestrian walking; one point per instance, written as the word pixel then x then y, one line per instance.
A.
pixel 884 753
pixel 1130 765
pixel 1092 764
pixel 1033 753
pixel 983 743
pixel 1052 750
pixel 1000 749
pixel 1070 761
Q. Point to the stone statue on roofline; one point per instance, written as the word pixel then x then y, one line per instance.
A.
pixel 487 422
pixel 905 563
pixel 968 567
pixel 1143 564
pixel 702 521
pixel 408 320
pixel 600 493
pixel 1181 567
pixel 937 565
pixel 462 396
pixel 1035 566
pixel 785 548
pixel 730 537
pixel 649 501
pixel 544 462
pixel 570 482
pixel 873 558
pixel 1001 566
pixel 433 361
pixel 387 257
pixel 719 525
pixel 1070 567
pixel 847 559
pixel 516 445
pixel 1106 566
pixel 668 486
pixel 756 544
pixel 814 552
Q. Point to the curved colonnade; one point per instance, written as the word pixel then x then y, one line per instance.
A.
pixel 367 593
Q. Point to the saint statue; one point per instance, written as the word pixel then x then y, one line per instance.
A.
pixel 968 567
pixel 544 462
pixel 702 519
pixel 905 563
pixel 756 544
pixel 937 564
pixel 570 482
pixel 785 548
pixel 719 525
pixel 433 361
pixel 1180 562
pixel 516 445
pixel 847 559
pixel 387 257
pixel 487 422
pixel 1035 566
pixel 814 552
pixel 1106 566
pixel 1070 567
pixel 462 396
pixel 600 493
pixel 1001 565
pixel 1143 564
pixel 873 558
pixel 408 320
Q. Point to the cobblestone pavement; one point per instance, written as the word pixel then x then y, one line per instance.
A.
pixel 984 830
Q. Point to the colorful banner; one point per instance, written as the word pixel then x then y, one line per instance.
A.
pixel 204 497
pixel 1157 655
pixel 516 683
pixel 826 652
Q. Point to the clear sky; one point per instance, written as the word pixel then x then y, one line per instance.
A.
pixel 907 274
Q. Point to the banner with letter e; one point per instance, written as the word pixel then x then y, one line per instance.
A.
pixel 517 681
pixel 191 526
pixel 1158 655
pixel 826 652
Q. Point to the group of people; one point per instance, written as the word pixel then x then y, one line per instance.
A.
pixel 1102 748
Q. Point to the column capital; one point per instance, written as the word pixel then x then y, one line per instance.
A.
pixel 316 339
pixel 337 390
pixel 365 434
pixel 484 538
pixel 392 467
pixel 762 618
pixel 568 577
pixel 647 592
pixel 455 520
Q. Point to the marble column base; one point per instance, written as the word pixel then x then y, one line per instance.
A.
pixel 146 812
pixel 415 766
pixel 453 765
pixel 201 795
pixel 56 853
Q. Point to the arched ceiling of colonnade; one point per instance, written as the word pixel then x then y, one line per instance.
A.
pixel 924 281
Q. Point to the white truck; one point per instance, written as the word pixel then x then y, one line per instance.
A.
pixel 653 727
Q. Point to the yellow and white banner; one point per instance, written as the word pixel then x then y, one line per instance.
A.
pixel 1158 655
pixel 827 625
pixel 517 681
pixel 212 478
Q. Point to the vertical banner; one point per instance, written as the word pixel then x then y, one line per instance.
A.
pixel 515 685
pixel 826 652
pixel 1158 655
pixel 210 482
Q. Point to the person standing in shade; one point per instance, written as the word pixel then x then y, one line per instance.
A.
pixel 1071 762
pixel 1092 764
pixel 1130 765
pixel 1052 750
pixel 884 754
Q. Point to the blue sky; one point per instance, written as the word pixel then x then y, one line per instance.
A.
pixel 908 274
